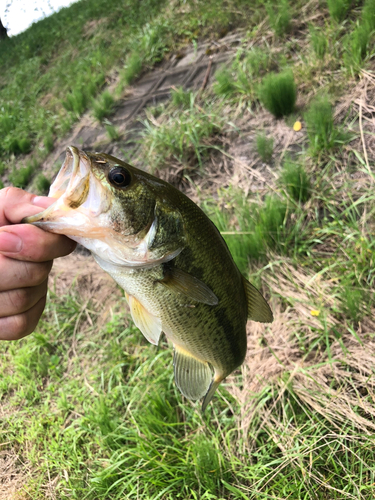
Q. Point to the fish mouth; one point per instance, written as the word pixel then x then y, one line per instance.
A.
pixel 80 199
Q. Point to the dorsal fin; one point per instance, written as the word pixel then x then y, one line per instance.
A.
pixel 192 376
pixel 257 307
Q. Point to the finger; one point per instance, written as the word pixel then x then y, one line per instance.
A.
pixel 18 301
pixel 21 274
pixel 16 204
pixel 20 325
pixel 30 243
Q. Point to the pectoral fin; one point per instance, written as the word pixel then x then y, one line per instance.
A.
pixel 257 307
pixel 193 288
pixel 149 324
pixel 192 376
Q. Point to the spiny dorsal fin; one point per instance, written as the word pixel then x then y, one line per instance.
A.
pixel 193 288
pixel 192 376
pixel 149 324
pixel 257 307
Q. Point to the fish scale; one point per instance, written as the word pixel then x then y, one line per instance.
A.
pixel 158 245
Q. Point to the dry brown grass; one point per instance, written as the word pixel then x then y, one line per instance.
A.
pixel 337 383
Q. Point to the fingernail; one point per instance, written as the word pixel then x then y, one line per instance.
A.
pixel 10 242
pixel 38 200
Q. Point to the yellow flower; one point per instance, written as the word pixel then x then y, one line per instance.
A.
pixel 297 126
pixel 314 312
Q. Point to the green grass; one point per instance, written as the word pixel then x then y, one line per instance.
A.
pixel 338 9
pixel 319 41
pixel 278 93
pixel 295 181
pixel 103 106
pixel 89 408
pixel 20 177
pixel 321 130
pixel 183 136
pixel 42 184
pixel 279 16
pixel 264 147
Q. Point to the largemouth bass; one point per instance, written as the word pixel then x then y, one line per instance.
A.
pixel 177 272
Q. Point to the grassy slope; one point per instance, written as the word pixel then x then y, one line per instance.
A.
pixel 298 422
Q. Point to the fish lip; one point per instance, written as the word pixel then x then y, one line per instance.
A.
pixel 66 178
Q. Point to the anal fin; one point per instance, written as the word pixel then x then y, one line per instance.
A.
pixel 211 391
pixel 149 324
pixel 192 376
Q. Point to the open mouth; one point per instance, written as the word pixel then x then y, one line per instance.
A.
pixel 80 199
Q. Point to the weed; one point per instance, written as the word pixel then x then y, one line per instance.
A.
pixel 42 184
pixel 368 14
pixel 224 83
pixel 17 145
pixel 112 132
pixel 241 78
pixel 132 69
pixel 182 98
pixel 20 177
pixel 278 93
pixel 295 181
pixel 103 106
pixel 184 136
pixel 279 17
pixel 48 141
pixel 319 41
pixel 264 146
pixel 322 133
pixel 338 9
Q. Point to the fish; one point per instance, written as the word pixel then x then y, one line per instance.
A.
pixel 177 272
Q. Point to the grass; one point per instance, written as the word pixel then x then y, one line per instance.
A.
pixel 296 181
pixel 279 17
pixel 278 93
pixel 264 146
pixel 184 136
pixel 103 107
pixel 319 42
pixel 322 132
pixel 89 408
pixel 338 9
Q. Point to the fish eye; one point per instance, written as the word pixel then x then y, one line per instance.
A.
pixel 119 177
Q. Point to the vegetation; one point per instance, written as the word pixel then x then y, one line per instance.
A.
pixel 278 93
pixel 89 408
pixel 264 147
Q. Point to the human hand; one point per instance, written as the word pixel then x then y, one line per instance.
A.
pixel 26 256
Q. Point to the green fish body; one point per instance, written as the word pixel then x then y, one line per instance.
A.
pixel 177 272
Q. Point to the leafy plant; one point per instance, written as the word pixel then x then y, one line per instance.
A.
pixel 278 93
